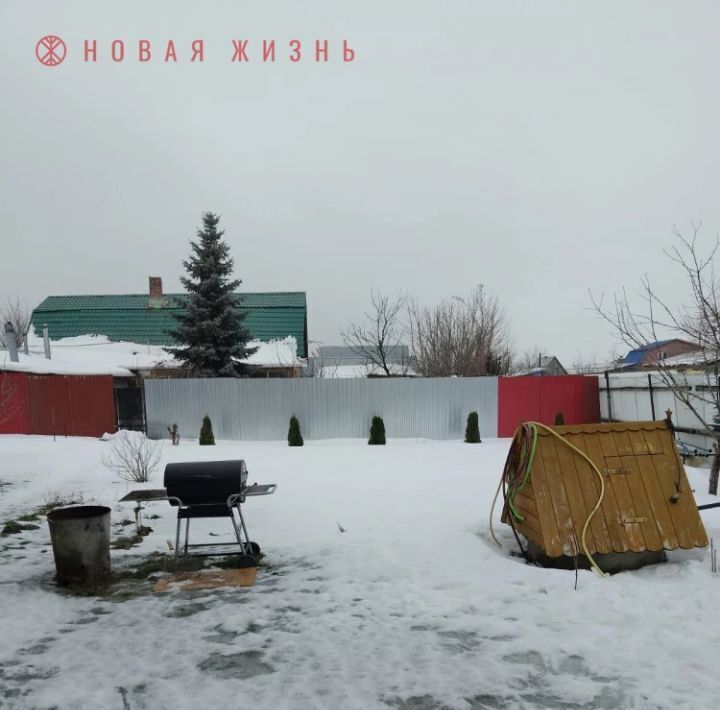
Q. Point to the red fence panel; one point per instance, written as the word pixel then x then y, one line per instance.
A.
pixel 541 398
pixel 71 405
pixel 14 403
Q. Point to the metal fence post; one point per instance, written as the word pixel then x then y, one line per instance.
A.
pixel 652 400
pixel 607 394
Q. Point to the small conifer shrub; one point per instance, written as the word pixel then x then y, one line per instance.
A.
pixel 294 435
pixel 377 432
pixel 559 419
pixel 472 430
pixel 207 438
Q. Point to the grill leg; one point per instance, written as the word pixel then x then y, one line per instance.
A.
pixel 238 533
pixel 246 546
pixel 177 538
pixel 187 534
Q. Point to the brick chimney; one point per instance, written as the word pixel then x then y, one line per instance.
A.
pixel 155 287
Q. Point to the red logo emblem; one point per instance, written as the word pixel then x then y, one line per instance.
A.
pixel 50 51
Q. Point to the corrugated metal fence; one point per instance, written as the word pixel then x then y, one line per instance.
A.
pixel 68 405
pixel 542 398
pixel 642 397
pixel 434 408
pixel 71 405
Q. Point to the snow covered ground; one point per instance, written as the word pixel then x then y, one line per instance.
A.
pixel 412 607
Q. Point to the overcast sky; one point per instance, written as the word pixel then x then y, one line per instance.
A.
pixel 540 148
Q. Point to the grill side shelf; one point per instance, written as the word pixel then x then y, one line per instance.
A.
pixel 147 494
pixel 260 490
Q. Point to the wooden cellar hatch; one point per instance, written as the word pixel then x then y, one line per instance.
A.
pixel 643 475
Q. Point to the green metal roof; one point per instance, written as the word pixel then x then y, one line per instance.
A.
pixel 139 319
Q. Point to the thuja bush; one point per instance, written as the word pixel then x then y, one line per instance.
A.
pixel 377 432
pixel 207 438
pixel 294 435
pixel 472 430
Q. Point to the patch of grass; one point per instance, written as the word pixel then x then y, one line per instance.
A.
pixel 20 524
pixel 151 565
pixel 13 527
pixel 159 562
pixel 125 543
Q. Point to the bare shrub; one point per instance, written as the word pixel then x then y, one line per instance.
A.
pixel 56 499
pixel 132 457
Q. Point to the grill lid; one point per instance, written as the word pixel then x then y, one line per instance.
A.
pixel 205 482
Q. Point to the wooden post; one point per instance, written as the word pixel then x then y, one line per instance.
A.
pixel 668 418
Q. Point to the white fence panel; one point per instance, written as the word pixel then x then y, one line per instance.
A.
pixel 257 409
pixel 630 400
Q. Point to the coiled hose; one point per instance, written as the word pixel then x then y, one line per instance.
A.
pixel 517 472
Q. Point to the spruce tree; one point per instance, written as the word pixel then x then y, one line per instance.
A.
pixel 377 432
pixel 472 430
pixel 294 435
pixel 207 438
pixel 210 335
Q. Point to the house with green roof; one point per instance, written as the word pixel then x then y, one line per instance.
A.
pixel 147 318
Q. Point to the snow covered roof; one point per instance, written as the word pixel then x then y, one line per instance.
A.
pixel 636 357
pixel 699 358
pixel 345 371
pixel 275 353
pixel 141 318
pixel 97 355
pixel 696 357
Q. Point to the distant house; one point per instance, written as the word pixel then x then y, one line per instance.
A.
pixel 146 318
pixel 86 359
pixel 123 335
pixel 652 353
pixel 343 361
pixel 547 365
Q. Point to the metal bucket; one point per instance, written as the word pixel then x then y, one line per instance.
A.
pixel 81 543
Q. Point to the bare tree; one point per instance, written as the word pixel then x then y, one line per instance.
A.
pixel 17 313
pixel 697 320
pixel 583 365
pixel 379 338
pixel 133 457
pixel 461 336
